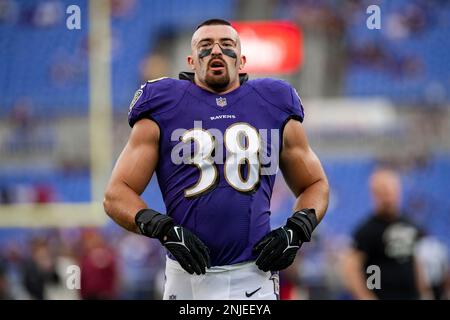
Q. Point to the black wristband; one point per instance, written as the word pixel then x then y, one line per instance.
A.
pixel 153 224
pixel 304 222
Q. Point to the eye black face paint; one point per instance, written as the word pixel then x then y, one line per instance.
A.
pixel 228 52
pixel 204 53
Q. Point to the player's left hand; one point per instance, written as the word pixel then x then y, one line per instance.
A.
pixel 277 250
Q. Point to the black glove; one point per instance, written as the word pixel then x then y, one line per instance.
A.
pixel 190 252
pixel 277 250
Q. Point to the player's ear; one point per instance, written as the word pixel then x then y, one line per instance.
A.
pixel 243 62
pixel 190 62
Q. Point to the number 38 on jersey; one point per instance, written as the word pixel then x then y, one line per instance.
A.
pixel 241 162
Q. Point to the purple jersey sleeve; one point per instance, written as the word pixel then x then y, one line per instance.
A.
pixel 155 97
pixel 280 94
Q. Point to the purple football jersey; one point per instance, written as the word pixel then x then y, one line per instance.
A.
pixel 221 194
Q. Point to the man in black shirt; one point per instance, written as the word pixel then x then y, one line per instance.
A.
pixel 385 244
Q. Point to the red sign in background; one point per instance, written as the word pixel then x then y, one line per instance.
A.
pixel 271 47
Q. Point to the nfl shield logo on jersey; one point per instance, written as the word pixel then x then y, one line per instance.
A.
pixel 221 102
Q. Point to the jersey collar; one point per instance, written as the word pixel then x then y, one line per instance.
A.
pixel 220 102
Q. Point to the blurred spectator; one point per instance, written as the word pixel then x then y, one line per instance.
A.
pixel 21 114
pixel 65 258
pixel 122 8
pixel 414 18
pixel 6 195
pixel 314 275
pixel 375 55
pixel 99 277
pixel 26 135
pixel 68 68
pixel 39 270
pixel 335 246
pixel 44 193
pixel 27 193
pixel 141 260
pixel 9 11
pixel 386 240
pixel 48 13
pixel 4 288
pixel 434 258
pixel 312 272
pixel 23 193
pixel 13 269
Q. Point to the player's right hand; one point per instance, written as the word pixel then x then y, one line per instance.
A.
pixel 191 253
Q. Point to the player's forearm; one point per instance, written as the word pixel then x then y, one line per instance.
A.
pixel 121 203
pixel 315 196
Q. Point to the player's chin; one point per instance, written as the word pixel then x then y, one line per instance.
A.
pixel 217 73
pixel 217 81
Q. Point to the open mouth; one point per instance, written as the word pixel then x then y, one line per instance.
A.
pixel 217 65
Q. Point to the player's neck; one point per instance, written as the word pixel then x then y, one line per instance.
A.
pixel 233 86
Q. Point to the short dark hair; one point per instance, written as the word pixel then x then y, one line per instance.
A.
pixel 213 22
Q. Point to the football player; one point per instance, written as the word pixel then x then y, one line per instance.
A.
pixel 206 135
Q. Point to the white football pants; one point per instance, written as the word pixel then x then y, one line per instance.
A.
pixel 242 281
